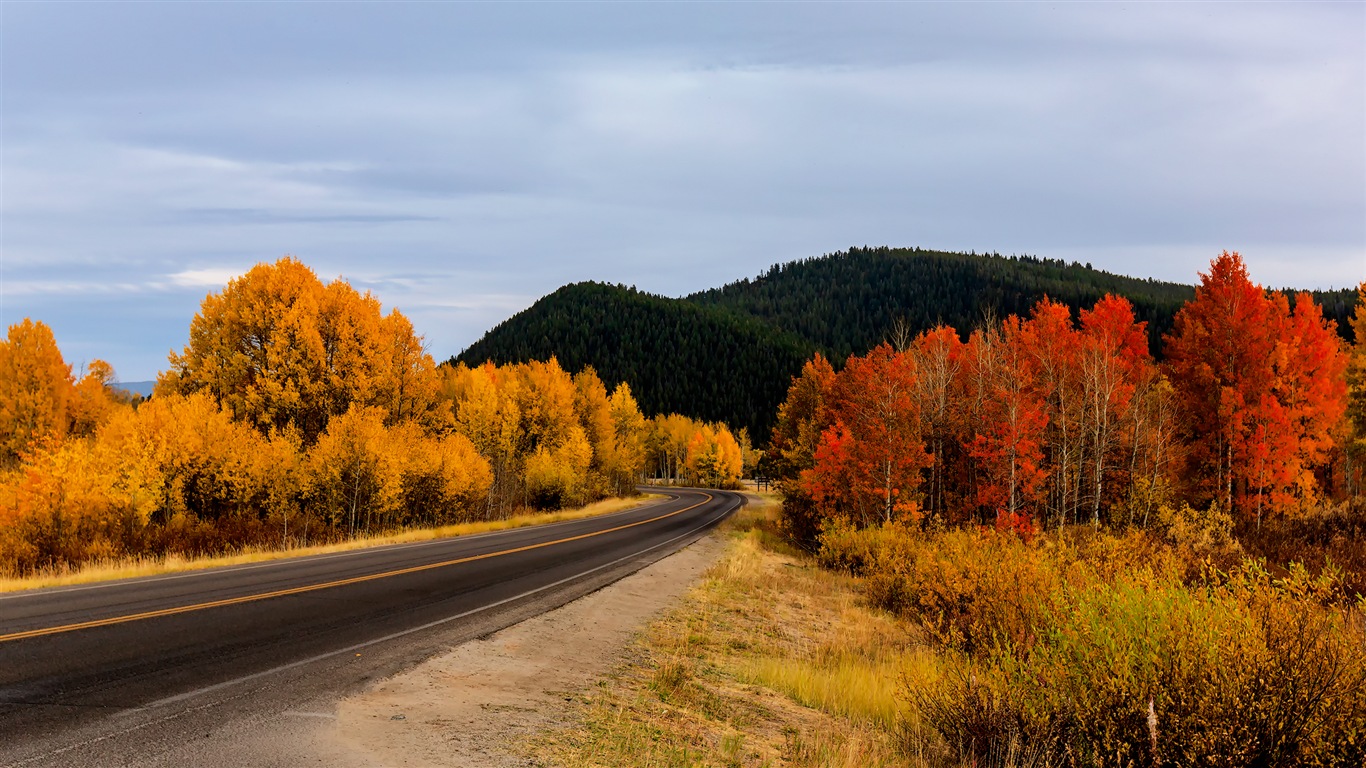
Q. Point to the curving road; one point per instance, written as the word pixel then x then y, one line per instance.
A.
pixel 136 672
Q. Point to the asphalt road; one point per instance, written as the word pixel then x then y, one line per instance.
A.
pixel 136 672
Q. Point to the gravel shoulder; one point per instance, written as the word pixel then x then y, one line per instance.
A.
pixel 472 706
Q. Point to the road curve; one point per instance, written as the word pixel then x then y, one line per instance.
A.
pixel 120 673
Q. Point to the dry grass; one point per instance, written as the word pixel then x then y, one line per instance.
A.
pixel 769 662
pixel 154 566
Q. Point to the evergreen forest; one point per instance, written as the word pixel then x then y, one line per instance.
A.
pixel 727 354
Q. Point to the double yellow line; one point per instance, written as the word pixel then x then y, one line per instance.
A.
pixel 327 585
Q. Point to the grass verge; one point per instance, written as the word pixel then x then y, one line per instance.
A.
pixel 154 566
pixel 768 662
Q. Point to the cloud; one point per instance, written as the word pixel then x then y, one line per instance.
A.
pixel 499 151
pixel 215 278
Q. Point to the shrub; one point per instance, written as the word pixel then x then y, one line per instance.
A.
pixel 1087 648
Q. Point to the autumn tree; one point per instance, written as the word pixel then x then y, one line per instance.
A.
pixel 868 464
pixel 624 465
pixel 1258 385
pixel 92 399
pixel 1055 348
pixel 666 445
pixel 1310 366
pixel 354 471
pixel 442 477
pixel 713 457
pixel 35 389
pixel 278 348
pixel 939 372
pixel 1009 413
pixel 1113 364
pixel 792 446
pixel 485 404
pixel 1356 399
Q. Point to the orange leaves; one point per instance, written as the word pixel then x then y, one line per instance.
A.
pixel 1008 414
pixel 1261 387
pixel 868 463
pixel 278 348
pixel 713 456
pixel 1026 417
pixel 35 388
pixel 552 439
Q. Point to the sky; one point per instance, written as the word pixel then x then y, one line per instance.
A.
pixel 460 160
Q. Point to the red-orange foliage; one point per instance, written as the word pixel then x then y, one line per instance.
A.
pixel 1009 416
pixel 868 464
pixel 1261 389
pixel 1114 364
pixel 1055 420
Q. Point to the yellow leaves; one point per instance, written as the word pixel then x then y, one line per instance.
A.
pixel 35 388
pixel 551 438
pixel 557 474
pixel 299 407
pixel 92 400
pixel 278 348
pixel 363 475
pixel 464 474
pixel 706 454
pixel 354 472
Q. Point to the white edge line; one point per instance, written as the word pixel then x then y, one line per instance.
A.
pixel 394 636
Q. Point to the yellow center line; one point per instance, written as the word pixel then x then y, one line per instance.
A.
pixel 326 585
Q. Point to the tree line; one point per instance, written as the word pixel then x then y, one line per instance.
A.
pixel 300 412
pixel 1055 418
pixel 726 354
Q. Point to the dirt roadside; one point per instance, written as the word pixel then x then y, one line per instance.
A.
pixel 468 707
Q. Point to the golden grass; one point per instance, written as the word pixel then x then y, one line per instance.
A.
pixel 768 662
pixel 155 566
pixel 851 687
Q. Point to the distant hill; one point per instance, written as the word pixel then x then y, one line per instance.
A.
pixel 143 388
pixel 729 353
pixel 678 357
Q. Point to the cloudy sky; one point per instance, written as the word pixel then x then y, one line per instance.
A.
pixel 461 160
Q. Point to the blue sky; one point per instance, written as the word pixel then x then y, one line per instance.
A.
pixel 462 159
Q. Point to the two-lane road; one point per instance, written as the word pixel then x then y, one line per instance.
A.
pixel 121 672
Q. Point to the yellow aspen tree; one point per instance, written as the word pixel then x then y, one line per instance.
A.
pixel 487 411
pixel 35 389
pixel 355 356
pixel 354 471
pixel 547 398
pixel 556 475
pixel 256 348
pixel 61 508
pixel 731 462
pixel 595 416
pixel 92 399
pixel 280 349
pixel 409 383
pixel 630 427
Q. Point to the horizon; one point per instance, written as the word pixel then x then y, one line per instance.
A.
pixel 460 161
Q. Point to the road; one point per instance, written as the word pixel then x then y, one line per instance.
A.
pixel 136 672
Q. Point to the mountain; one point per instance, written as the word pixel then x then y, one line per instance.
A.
pixel 678 357
pixel 141 388
pixel 729 353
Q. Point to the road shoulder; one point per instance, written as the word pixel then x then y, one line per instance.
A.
pixel 470 707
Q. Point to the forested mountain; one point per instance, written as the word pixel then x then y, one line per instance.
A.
pixel 678 357
pixel 728 353
pixel 846 303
